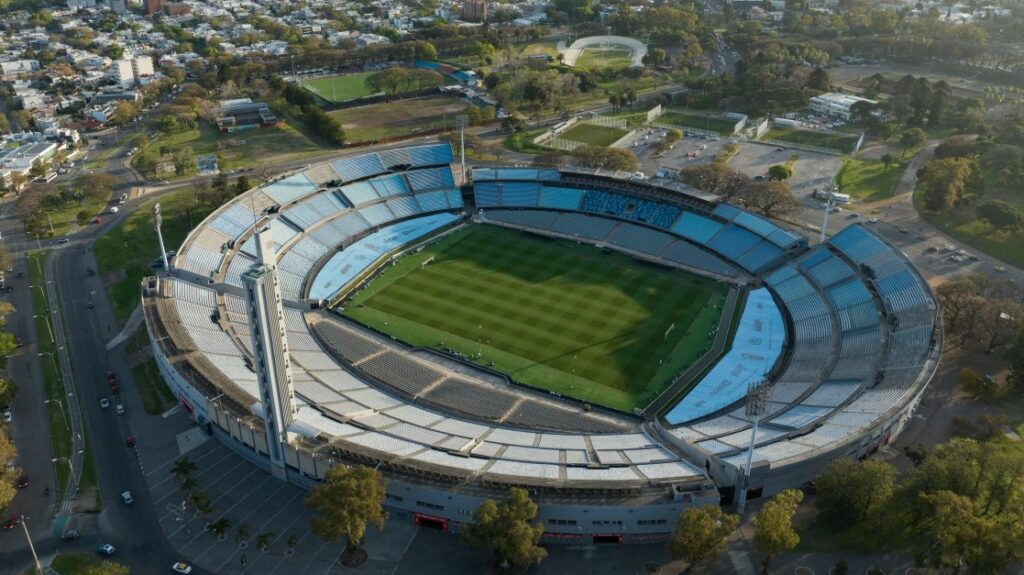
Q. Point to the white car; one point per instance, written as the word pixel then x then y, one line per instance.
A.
pixel 120 409
pixel 104 403
pixel 182 567
pixel 8 415
pixel 127 498
pixel 106 549
pixel 872 220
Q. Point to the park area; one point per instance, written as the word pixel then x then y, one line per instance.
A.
pixel 604 57
pixel 243 149
pixel 868 180
pixel 554 315
pixel 593 135
pixel 832 141
pixel 400 118
pixel 685 119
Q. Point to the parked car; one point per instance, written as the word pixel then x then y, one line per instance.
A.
pixel 22 482
pixel 104 402
pixel 69 535
pixel 12 522
pixel 120 409
pixel 106 549
pixel 181 567
pixel 129 441
pixel 127 498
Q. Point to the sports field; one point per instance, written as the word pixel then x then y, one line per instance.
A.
pixel 604 57
pixel 399 118
pixel 340 88
pixel 690 120
pixel 828 140
pixel 593 135
pixel 555 315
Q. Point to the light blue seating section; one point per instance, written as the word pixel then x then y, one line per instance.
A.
pixel 848 294
pixel 454 199
pixel 290 189
pixel 857 244
pixel 358 167
pixel 758 225
pixel 349 263
pixel 403 207
pixel 696 228
pixel 360 193
pixel 430 178
pixel 756 346
pixel 761 255
pixel 432 201
pixel 234 220
pixel 523 174
pixel 519 194
pixel 560 198
pixel 488 194
pixel 830 271
pixel 733 241
pixel 307 212
pixel 390 185
pixel 594 201
pixel 431 155
pixel 377 214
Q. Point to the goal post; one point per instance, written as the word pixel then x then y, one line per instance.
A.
pixel 424 263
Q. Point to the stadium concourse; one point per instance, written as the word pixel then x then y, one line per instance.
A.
pixel 843 336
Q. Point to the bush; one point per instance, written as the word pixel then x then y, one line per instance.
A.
pixel 1001 215
pixel 323 125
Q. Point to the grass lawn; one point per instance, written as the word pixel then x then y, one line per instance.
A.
pixel 65 220
pixel 340 88
pixel 523 141
pixel 593 135
pixel 56 409
pixel 840 142
pixel 604 57
pixel 868 180
pixel 125 252
pixel 242 149
pixel 547 48
pixel 691 120
pixel 399 118
pixel 75 563
pixel 156 396
pixel 552 314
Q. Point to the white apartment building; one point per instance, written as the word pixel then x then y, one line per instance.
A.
pixel 836 105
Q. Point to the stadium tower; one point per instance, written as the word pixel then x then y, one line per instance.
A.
pixel 270 348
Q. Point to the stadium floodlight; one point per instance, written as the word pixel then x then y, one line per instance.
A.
pixel 828 208
pixel 757 399
pixel 461 120
pixel 157 221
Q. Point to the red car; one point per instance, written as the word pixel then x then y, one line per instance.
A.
pixel 129 441
pixel 112 382
pixel 12 522
pixel 22 482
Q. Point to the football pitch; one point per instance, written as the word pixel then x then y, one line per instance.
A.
pixel 340 88
pixel 594 135
pixel 552 314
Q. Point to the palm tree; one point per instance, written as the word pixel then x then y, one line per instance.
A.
pixel 183 468
pixel 188 484
pixel 263 540
pixel 220 528
pixel 241 534
pixel 292 543
pixel 200 501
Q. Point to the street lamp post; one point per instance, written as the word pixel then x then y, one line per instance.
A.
pixel 157 220
pixel 60 403
pixel 39 566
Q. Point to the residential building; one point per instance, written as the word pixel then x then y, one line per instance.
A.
pixel 123 72
pixel 153 6
pixel 242 114
pixel 836 105
pixel 474 10
pixel 142 67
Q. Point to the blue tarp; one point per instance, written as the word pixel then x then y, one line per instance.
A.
pixel 348 263
pixel 755 348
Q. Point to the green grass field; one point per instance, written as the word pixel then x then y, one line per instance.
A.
pixel 555 315
pixel 868 180
pixel 593 135
pixel 841 142
pixel 546 48
pixel 604 57
pixel 340 88
pixel 690 120
pixel 400 118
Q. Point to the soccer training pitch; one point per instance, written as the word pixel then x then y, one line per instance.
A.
pixel 553 314
pixel 340 88
pixel 594 135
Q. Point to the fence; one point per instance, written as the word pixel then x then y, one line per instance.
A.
pixel 563 144
pixel 608 122
pixel 654 113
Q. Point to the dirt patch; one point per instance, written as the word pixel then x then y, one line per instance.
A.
pixel 114 277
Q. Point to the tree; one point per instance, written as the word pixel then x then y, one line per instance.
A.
pixel 715 178
pixel 506 528
pixel 7 476
pixel 105 568
pixel 263 540
pixel 848 490
pixel 819 80
pixel 8 389
pixel 241 185
pixel 183 468
pixel 292 542
pixel 1001 215
pixel 913 138
pixel 242 534
pixel 887 160
pixel 770 197
pixel 220 527
pixel 606 158
pixel 188 484
pixel 97 186
pixel 774 525
pixel 965 536
pixel 38 169
pixel 943 182
pixel 780 172
pixel 200 501
pixel 348 499
pixel 1015 358
pixel 700 534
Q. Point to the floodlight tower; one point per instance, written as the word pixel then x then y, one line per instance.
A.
pixel 828 208
pixel 757 398
pixel 460 122
pixel 158 220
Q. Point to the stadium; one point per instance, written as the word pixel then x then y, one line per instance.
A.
pixel 587 335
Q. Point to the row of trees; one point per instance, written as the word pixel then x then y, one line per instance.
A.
pixel 8 389
pixel 771 197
